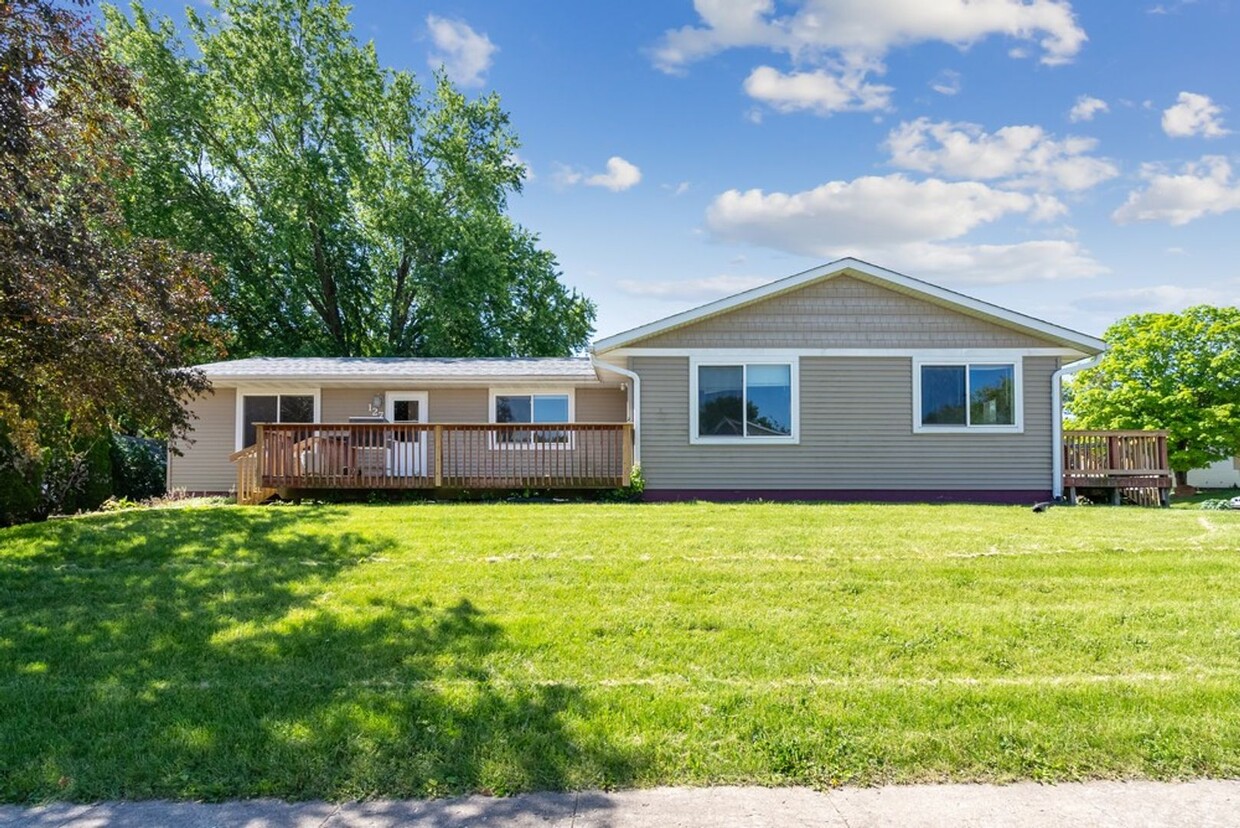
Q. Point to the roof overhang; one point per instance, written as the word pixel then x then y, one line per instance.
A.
pixel 1082 343
pixel 397 381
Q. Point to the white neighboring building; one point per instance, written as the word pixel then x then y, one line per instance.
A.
pixel 1219 475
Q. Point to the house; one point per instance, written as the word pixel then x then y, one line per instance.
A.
pixel 847 381
pixel 1222 474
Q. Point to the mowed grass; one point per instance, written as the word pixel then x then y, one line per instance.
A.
pixel 414 650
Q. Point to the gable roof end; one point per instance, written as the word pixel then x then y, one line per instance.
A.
pixel 1086 344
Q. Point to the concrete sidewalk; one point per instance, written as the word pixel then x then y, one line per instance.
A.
pixel 1027 805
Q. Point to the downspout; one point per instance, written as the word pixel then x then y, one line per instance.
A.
pixel 637 402
pixel 1057 419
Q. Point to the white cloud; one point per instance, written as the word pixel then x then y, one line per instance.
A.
pixel 692 289
pixel 1085 108
pixel 620 175
pixel 677 189
pixel 820 91
pixel 1194 114
pixel 1021 156
pixel 845 41
pixel 902 223
pixel 867 210
pixel 947 82
pixel 993 264
pixel 1201 188
pixel 464 53
pixel 869 29
pixel 565 176
pixel 1157 298
pixel 1169 8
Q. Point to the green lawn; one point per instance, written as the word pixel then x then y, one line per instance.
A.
pixel 352 651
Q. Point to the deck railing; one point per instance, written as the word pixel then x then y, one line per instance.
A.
pixel 249 485
pixel 1132 463
pixel 439 455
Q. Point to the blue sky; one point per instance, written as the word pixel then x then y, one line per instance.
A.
pixel 1077 161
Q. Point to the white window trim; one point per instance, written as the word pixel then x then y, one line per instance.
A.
pixel 794 366
pixel 422 398
pixel 273 391
pixel 1018 394
pixel 533 391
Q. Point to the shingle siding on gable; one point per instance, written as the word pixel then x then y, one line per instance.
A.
pixel 856 434
pixel 843 312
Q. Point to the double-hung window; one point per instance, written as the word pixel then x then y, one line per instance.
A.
pixel 743 402
pixel 966 396
pixel 531 408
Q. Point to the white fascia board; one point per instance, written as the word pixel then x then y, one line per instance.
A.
pixel 396 380
pixel 942 296
pixel 774 353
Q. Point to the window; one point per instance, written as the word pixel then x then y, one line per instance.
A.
pixel 406 407
pixel 967 396
pixel 531 408
pixel 273 408
pixel 742 402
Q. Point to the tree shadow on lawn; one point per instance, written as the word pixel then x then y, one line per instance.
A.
pixel 203 654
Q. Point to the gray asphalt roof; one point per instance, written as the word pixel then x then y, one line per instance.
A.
pixel 272 368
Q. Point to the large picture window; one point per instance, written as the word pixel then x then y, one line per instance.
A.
pixel 973 395
pixel 744 401
pixel 273 408
pixel 532 408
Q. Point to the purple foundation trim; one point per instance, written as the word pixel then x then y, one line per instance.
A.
pixel 994 496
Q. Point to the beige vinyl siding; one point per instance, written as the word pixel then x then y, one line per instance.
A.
pixel 469 405
pixel 458 405
pixel 843 312
pixel 337 405
pixel 444 405
pixel 856 433
pixel 204 465
pixel 601 405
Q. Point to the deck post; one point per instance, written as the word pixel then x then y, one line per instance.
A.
pixel 438 456
pixel 626 461
pixel 260 457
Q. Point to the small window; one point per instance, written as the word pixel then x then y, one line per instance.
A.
pixel 273 408
pixel 531 408
pixel 405 411
pixel 745 401
pixel 972 395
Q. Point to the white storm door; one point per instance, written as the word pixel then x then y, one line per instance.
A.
pixel 406 455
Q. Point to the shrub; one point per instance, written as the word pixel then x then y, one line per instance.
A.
pixel 87 479
pixel 139 468
pixel 20 476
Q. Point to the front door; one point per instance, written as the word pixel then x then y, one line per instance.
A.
pixel 407 450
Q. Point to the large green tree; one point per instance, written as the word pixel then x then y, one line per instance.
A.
pixel 96 323
pixel 1173 371
pixel 354 211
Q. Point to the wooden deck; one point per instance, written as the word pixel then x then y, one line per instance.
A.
pixel 299 457
pixel 1130 464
